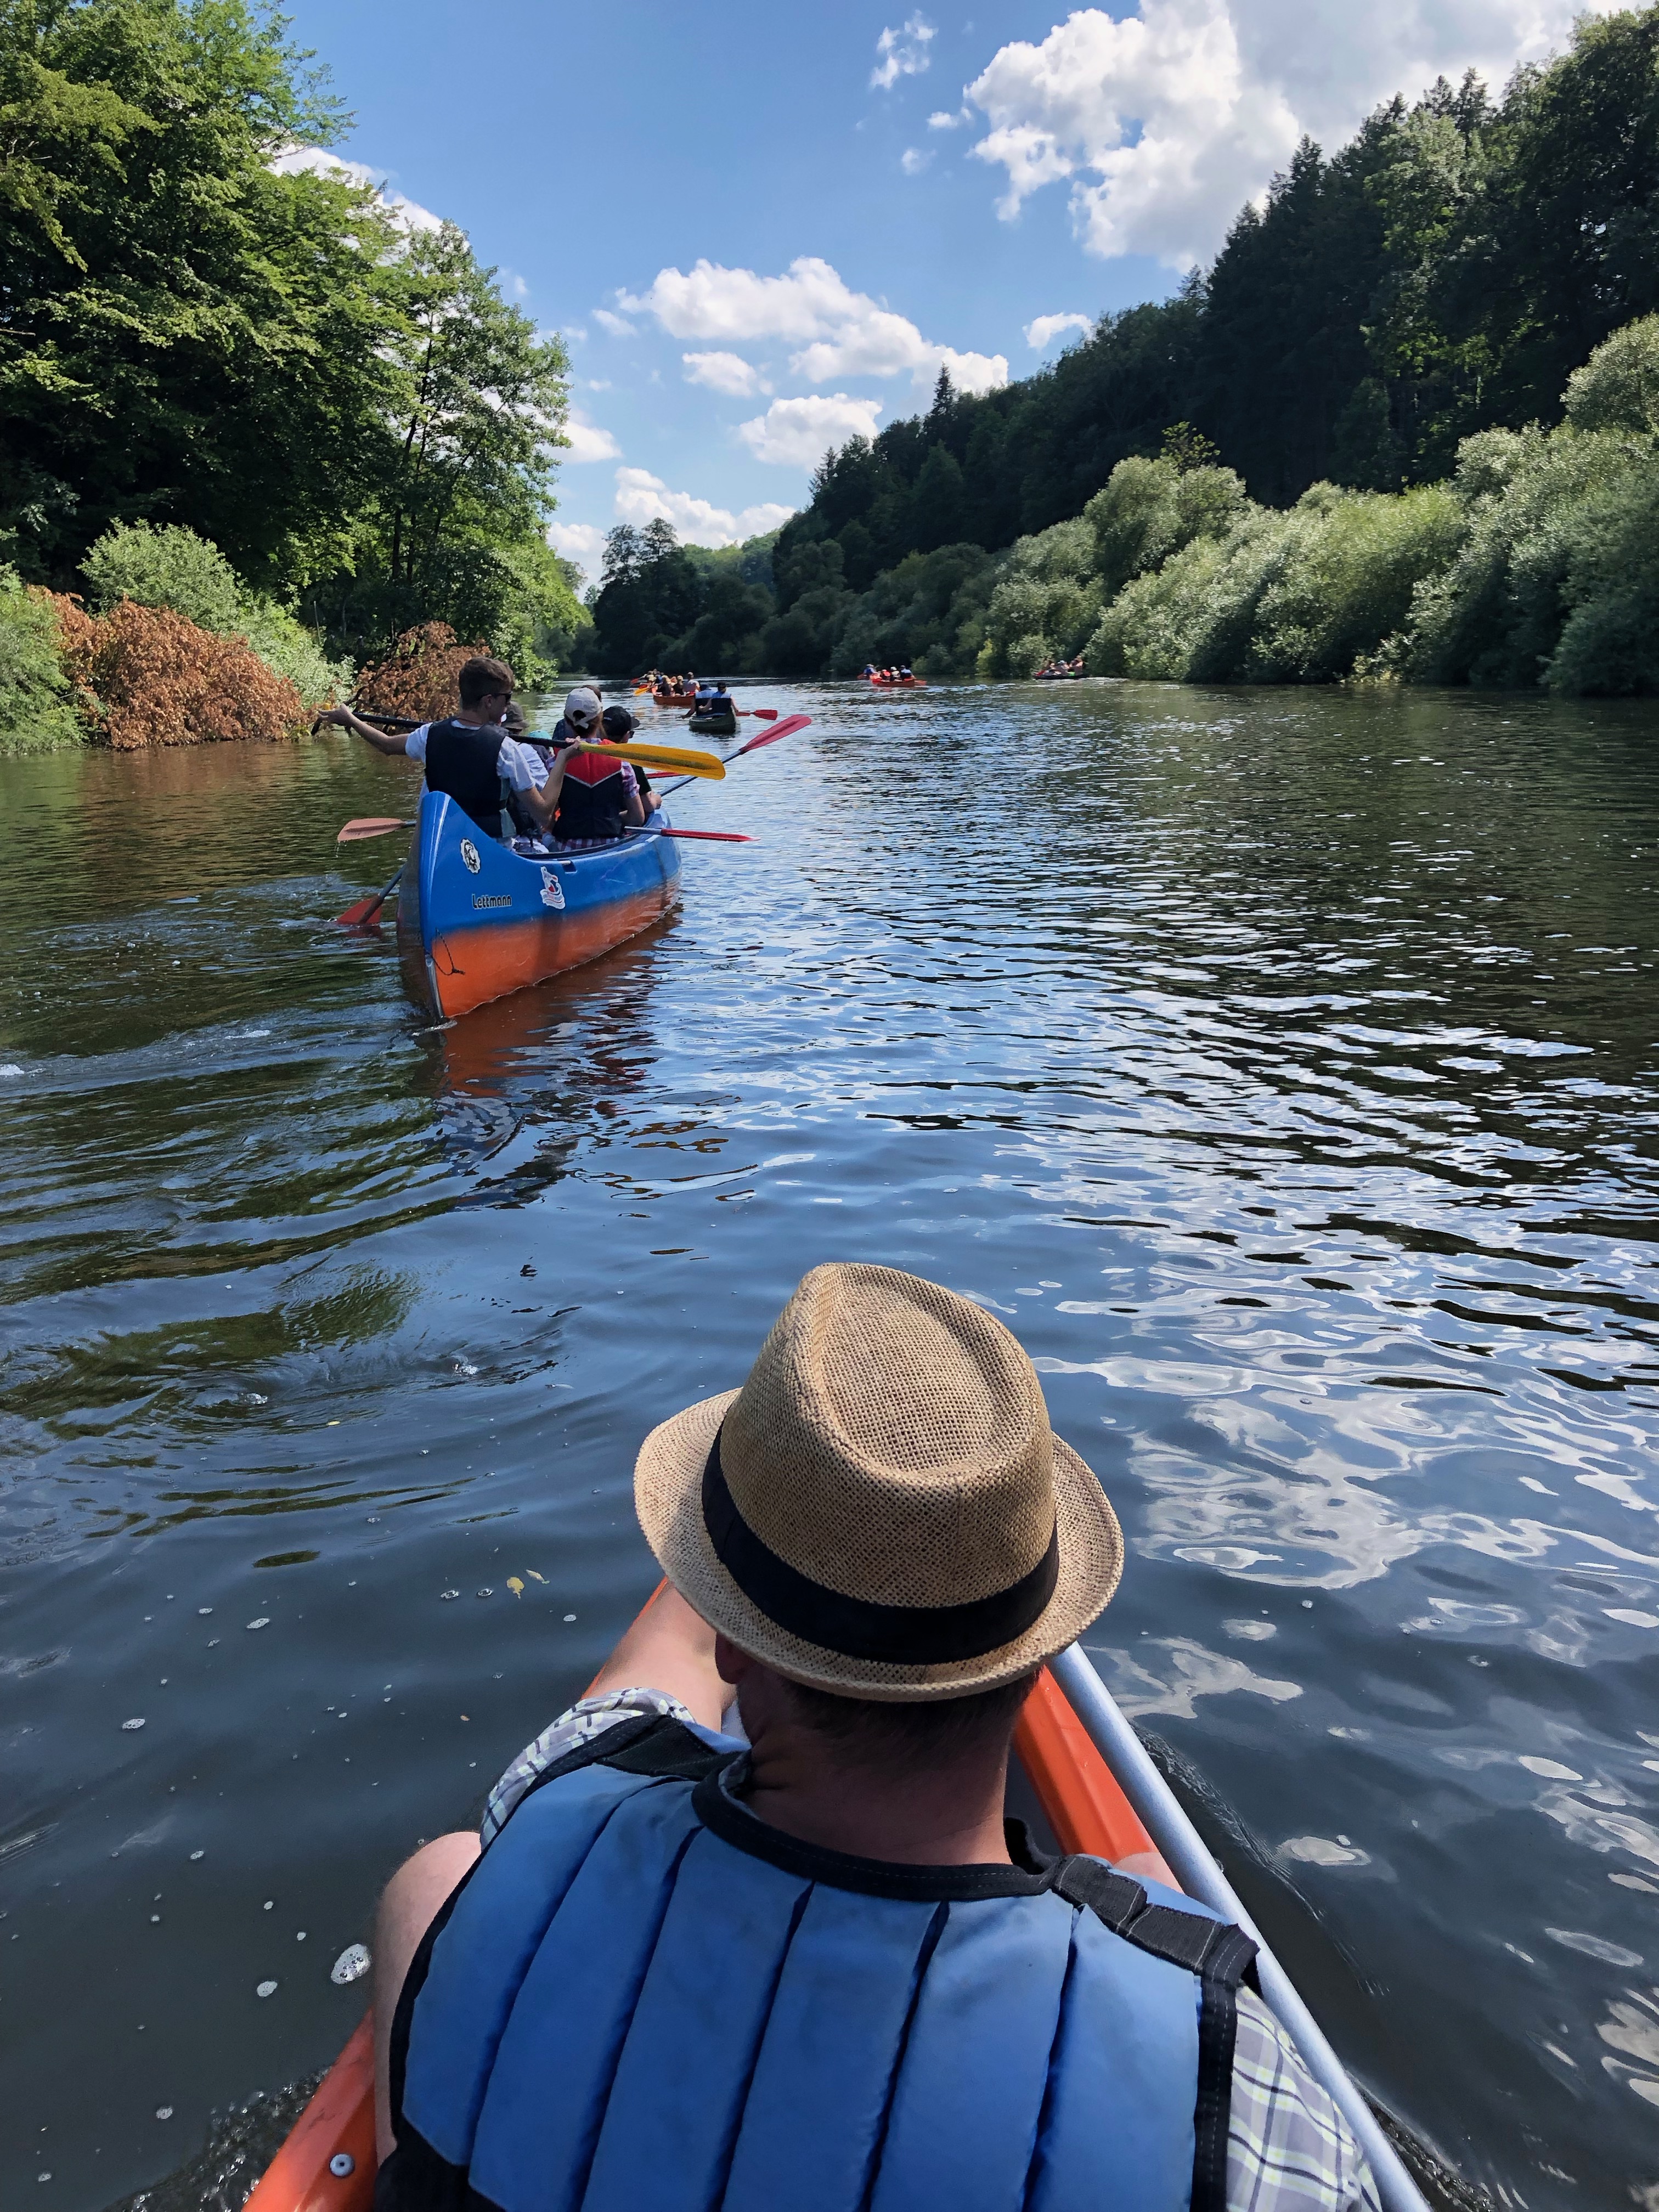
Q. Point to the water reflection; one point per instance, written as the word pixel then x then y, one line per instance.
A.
pixel 1283 1068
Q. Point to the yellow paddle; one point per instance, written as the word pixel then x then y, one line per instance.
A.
pixel 709 765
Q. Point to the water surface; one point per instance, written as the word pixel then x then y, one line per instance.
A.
pixel 1284 1067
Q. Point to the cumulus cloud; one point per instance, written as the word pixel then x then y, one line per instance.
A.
pixel 642 497
pixel 948 119
pixel 618 325
pixel 1042 333
pixel 903 52
pixel 588 442
pixel 725 372
pixel 408 213
pixel 840 332
pixel 796 433
pixel 913 161
pixel 1166 120
pixel 580 542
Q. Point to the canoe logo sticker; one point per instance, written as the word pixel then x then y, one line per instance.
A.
pixel 552 889
pixel 469 856
pixel 492 898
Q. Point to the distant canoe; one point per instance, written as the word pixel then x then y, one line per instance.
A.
pixel 712 726
pixel 900 682
pixel 476 920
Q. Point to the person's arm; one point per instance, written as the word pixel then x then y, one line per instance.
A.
pixel 541 799
pixel 344 719
pixel 672 1649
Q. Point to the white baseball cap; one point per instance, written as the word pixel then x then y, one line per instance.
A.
pixel 581 709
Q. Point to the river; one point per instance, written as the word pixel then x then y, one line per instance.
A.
pixel 1283 1066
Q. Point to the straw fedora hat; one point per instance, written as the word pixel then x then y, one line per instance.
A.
pixel 883 1508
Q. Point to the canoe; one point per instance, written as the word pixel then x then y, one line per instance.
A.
pixel 476 920
pixel 1112 1807
pixel 712 726
pixel 899 683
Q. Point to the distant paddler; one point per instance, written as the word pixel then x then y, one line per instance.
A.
pixel 472 757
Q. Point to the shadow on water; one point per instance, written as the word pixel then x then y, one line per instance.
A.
pixel 1281 1066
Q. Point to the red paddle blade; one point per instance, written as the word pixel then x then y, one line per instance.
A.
pixel 762 713
pixel 360 915
pixel 786 728
pixel 711 836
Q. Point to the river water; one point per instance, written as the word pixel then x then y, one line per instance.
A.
pixel 1283 1066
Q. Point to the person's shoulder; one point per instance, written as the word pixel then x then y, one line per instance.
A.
pixel 414 743
pixel 1289 2149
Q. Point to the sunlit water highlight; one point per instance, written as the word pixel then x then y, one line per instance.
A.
pixel 1283 1068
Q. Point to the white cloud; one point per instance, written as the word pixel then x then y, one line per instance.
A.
pixel 642 497
pixel 597 384
pixel 588 442
pixel 408 213
pixel 840 332
pixel 913 161
pixel 796 433
pixel 1042 333
pixel 580 542
pixel 725 372
pixel 947 118
pixel 618 325
pixel 1166 120
pixel 903 52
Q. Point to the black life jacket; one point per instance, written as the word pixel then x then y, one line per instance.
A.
pixel 461 761
pixel 592 799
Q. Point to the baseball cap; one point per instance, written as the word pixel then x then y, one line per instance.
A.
pixel 581 709
pixel 619 723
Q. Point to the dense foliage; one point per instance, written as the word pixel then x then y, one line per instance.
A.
pixel 195 331
pixel 663 605
pixel 1442 275
pixel 36 709
pixel 148 676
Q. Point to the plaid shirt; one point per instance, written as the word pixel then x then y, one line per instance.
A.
pixel 1288 2147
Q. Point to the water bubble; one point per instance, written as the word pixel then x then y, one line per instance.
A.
pixel 130 1725
pixel 353 1963
pixel 486 1593
pixel 197 1855
pixel 164 2111
pixel 264 1621
pixel 447 1595
pixel 265 1990
pixel 570 1616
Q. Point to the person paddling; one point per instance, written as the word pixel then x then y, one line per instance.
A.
pixel 617 725
pixel 595 796
pixel 793 1956
pixel 471 755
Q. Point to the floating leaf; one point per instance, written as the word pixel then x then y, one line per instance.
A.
pixel 515 1585
pixel 534 1577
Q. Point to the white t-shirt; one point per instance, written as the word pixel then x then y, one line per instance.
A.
pixel 524 769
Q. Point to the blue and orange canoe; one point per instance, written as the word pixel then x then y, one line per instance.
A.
pixel 1099 1792
pixel 476 920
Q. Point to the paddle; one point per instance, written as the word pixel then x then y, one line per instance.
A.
pixel 371 826
pixel 360 916
pixel 712 836
pixel 786 728
pixel 671 757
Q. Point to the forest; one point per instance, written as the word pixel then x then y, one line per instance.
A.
pixel 236 387
pixel 1369 440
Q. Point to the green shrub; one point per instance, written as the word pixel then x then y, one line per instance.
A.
pixel 1191 620
pixel 1618 387
pixel 1148 510
pixel 171 566
pixel 1046 601
pixel 37 712
pixel 1347 581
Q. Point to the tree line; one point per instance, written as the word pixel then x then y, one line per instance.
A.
pixel 1352 431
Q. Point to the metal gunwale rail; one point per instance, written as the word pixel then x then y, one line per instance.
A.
pixel 1194 1867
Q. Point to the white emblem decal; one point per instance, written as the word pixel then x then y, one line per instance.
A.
pixel 469 856
pixel 552 889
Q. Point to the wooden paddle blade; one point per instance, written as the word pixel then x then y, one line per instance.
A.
pixel 371 826
pixel 710 836
pixel 668 756
pixel 786 728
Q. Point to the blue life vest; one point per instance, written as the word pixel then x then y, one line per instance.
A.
pixel 643 1999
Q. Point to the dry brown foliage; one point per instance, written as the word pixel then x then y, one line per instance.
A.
pixel 145 675
pixel 419 677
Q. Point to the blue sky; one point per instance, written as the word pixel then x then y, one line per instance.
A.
pixel 598 154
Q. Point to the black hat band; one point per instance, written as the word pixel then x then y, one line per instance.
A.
pixel 856 1627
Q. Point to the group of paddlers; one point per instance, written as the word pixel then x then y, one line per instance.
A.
pixel 567 792
pixel 900 673
pixel 670 687
pixel 1058 667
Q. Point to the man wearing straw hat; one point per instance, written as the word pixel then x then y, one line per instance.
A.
pixel 791 1959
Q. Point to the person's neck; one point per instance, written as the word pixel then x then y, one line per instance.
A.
pixel 951 1817
pixel 477 717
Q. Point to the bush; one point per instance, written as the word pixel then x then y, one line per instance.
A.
pixel 1150 509
pixel 1191 620
pixel 168 568
pixel 418 678
pixel 1046 601
pixel 36 709
pixel 1618 387
pixel 1346 583
pixel 146 676
pixel 172 567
